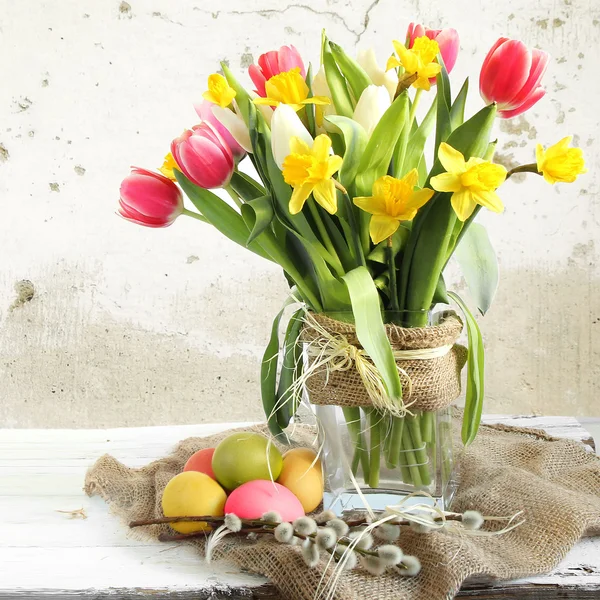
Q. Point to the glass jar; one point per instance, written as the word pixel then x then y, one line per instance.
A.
pixel 372 456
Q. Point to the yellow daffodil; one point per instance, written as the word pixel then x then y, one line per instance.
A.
pixel 167 167
pixel 420 59
pixel 289 88
pixel 559 162
pixel 472 182
pixel 393 200
pixel 309 170
pixel 219 91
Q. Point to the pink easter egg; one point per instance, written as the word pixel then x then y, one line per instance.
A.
pixel 254 498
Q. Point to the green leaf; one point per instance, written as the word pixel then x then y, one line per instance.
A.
pixel 262 208
pixel 310 108
pixel 443 126
pixel 268 372
pixel 352 71
pixel 418 139
pixel 242 98
pixel 457 111
pixel 370 328
pixel 379 254
pixel 378 153
pixel 479 264
pixel 355 140
pixel 224 218
pixel 440 295
pixel 475 375
pixel 336 82
pixel 292 359
pixel 246 187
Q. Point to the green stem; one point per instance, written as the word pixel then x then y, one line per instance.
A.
pixel 393 453
pixel 233 195
pixel 427 425
pixel 409 457
pixel 375 447
pixel 413 108
pixel 414 425
pixel 529 168
pixel 336 264
pixel 393 286
pixel 189 213
pixel 354 423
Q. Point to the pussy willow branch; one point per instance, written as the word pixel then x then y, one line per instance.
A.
pixel 261 524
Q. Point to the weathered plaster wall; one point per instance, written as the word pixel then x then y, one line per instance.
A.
pixel 132 326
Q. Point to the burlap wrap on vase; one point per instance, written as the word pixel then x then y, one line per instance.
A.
pixel 434 383
pixel 556 483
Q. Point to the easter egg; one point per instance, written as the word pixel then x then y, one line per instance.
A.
pixel 303 478
pixel 201 461
pixel 192 494
pixel 254 498
pixel 245 456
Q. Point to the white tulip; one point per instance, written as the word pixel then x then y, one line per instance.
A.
pixel 368 61
pixel 321 88
pixel 373 102
pixel 285 125
pixel 235 124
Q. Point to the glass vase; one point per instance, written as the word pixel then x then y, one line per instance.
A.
pixel 371 456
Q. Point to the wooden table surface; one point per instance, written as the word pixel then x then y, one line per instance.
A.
pixel 48 552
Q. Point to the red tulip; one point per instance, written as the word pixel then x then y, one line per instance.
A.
pixel 272 63
pixel 511 76
pixel 203 156
pixel 205 112
pixel 447 40
pixel 149 199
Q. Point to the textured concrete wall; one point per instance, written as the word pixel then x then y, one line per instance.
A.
pixel 132 326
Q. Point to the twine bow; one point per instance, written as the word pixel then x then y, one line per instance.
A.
pixel 333 352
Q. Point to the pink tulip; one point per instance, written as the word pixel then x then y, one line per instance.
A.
pixel 149 199
pixel 447 40
pixel 272 63
pixel 511 76
pixel 205 112
pixel 203 157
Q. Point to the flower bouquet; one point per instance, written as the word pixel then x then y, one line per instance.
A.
pixel 334 176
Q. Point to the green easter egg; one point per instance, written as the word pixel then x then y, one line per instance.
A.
pixel 243 457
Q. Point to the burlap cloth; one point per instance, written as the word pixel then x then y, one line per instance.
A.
pixel 555 482
pixel 429 384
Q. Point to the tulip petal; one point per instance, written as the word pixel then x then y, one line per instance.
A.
pixel 489 55
pixel 535 96
pixel 506 72
pixel 449 44
pixel 382 227
pixel 289 58
pixel 463 204
pixel 452 160
pixel 538 68
pixel 324 193
pixel 234 125
pixel 285 125
pixel 258 79
pixel 299 196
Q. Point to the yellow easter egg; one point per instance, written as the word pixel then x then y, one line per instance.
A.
pixel 192 494
pixel 303 478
